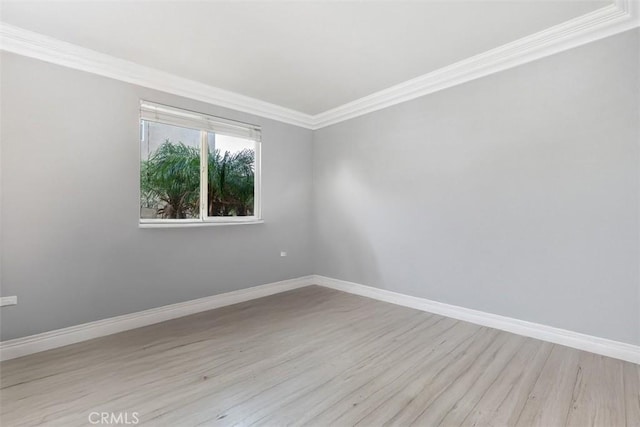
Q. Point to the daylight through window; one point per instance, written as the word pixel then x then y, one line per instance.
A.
pixel 196 168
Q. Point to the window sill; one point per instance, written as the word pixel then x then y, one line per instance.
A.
pixel 189 224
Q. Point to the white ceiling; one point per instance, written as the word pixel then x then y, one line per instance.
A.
pixel 307 56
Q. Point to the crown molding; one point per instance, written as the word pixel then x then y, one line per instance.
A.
pixel 28 43
pixel 604 22
pixel 620 16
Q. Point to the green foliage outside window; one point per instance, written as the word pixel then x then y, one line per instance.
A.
pixel 170 182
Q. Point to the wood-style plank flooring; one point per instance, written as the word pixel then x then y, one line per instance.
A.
pixel 316 356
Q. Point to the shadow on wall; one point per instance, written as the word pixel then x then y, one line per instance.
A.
pixel 355 258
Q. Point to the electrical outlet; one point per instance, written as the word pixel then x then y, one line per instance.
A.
pixel 8 301
pixel 283 253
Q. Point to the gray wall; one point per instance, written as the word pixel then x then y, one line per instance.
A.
pixel 515 194
pixel 71 247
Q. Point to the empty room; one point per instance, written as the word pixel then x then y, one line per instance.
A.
pixel 320 213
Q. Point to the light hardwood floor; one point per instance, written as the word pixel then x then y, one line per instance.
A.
pixel 315 356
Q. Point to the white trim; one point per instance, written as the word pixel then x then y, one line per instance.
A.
pixel 204 174
pixel 61 337
pixel 257 181
pixel 605 347
pixel 195 223
pixel 621 16
pixel 5 301
pixel 58 338
pixel 587 28
pixel 28 43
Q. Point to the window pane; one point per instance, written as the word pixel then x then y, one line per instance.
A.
pixel 169 172
pixel 231 176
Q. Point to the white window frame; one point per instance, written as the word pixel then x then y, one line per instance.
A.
pixel 153 112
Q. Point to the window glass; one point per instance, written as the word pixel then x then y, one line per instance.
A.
pixel 169 172
pixel 197 168
pixel 231 168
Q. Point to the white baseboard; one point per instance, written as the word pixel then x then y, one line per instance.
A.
pixel 605 347
pixel 60 337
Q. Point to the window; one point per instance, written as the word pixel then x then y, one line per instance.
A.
pixel 197 169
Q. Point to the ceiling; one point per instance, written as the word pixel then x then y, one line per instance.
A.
pixel 306 56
